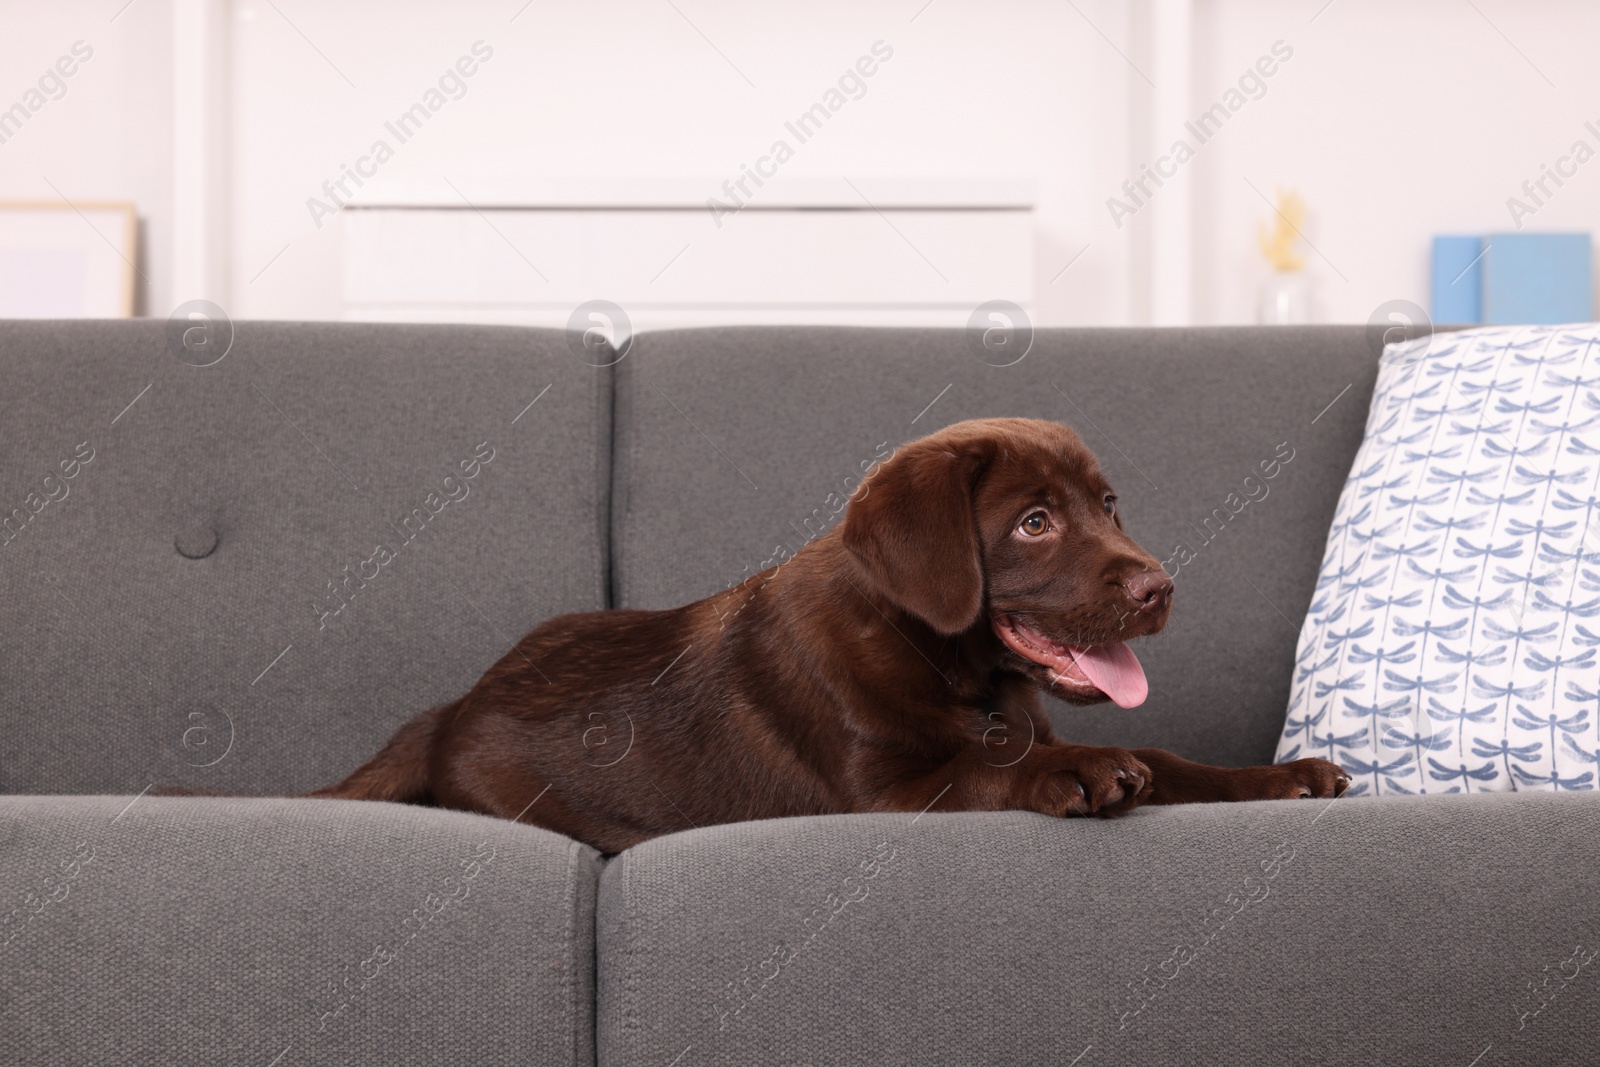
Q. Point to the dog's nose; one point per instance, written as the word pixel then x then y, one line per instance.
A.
pixel 1149 589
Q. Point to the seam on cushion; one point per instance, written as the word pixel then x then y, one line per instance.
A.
pixel 634 975
pixel 628 1019
pixel 621 458
pixel 599 866
pixel 569 956
pixel 617 955
pixel 606 476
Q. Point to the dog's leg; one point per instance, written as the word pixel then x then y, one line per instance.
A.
pixel 1052 779
pixel 1181 781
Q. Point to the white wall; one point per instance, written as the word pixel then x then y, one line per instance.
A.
pixel 110 136
pixel 1394 121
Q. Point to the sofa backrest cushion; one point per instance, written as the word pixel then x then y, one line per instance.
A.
pixel 244 576
pixel 735 445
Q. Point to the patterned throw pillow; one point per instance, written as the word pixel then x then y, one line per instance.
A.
pixel 1451 643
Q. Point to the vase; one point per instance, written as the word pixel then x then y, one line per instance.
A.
pixel 1285 300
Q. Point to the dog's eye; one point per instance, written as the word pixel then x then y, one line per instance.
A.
pixel 1111 504
pixel 1035 524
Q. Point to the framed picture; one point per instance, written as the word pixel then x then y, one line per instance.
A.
pixel 67 261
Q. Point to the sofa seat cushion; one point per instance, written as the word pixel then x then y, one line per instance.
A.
pixel 1392 930
pixel 289 932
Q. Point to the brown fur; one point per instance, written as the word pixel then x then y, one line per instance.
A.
pixel 863 674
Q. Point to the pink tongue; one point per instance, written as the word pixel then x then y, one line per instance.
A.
pixel 1115 671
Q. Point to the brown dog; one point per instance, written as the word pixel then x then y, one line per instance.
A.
pixel 876 670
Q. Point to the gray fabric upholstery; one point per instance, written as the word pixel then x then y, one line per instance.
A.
pixel 161 626
pixel 207 931
pixel 1375 931
pixel 730 440
pixel 127 662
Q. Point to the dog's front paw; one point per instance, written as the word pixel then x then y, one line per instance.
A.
pixel 1301 779
pixel 1081 780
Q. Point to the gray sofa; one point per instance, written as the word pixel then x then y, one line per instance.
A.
pixel 201 603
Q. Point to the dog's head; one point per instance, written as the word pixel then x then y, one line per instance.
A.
pixel 1009 523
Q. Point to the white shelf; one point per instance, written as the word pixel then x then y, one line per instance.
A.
pixel 690 192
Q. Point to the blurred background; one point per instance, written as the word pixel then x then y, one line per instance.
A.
pixel 702 161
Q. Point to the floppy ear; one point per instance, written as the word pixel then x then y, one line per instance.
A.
pixel 911 529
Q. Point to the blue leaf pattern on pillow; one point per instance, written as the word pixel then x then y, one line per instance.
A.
pixel 1451 644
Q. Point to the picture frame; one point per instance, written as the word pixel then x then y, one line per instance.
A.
pixel 62 260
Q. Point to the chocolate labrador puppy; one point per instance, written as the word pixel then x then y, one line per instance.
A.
pixel 892 664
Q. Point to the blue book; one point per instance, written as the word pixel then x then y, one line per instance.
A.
pixel 1457 281
pixel 1538 278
